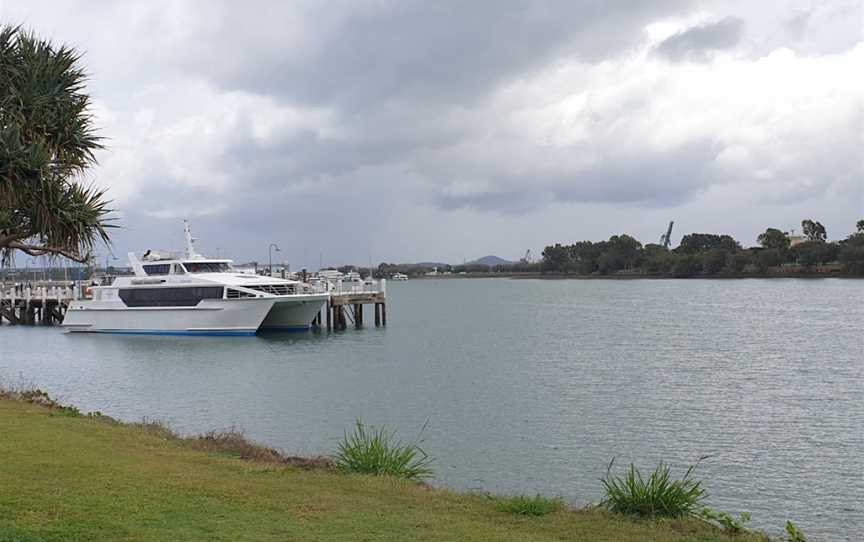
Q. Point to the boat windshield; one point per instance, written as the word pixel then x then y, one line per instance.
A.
pixel 207 267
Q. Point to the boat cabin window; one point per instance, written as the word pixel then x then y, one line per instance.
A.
pixel 157 269
pixel 177 269
pixel 207 267
pixel 169 297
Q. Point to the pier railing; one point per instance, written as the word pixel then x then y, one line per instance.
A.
pixel 45 290
pixel 31 303
pixel 355 287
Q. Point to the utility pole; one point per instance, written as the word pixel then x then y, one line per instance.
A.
pixel 270 254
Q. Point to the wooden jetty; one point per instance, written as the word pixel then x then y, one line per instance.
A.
pixel 36 303
pixel 347 302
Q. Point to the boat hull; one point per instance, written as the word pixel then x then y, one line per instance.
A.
pixel 293 314
pixel 209 317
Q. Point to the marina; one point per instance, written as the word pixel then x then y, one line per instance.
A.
pixel 190 294
pixel 46 304
pixel 626 282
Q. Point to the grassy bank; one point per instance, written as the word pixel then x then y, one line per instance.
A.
pixel 64 476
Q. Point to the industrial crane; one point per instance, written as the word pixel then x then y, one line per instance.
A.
pixel 666 238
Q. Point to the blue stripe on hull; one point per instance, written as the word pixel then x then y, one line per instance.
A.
pixel 201 333
pixel 284 328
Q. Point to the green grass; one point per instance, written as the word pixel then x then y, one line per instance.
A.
pixel 85 478
pixel 657 496
pixel 375 450
pixel 523 505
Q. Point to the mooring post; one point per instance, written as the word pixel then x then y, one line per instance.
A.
pixel 43 313
pixel 384 314
pixel 329 310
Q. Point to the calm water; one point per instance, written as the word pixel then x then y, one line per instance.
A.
pixel 532 386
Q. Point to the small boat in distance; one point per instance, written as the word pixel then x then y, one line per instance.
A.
pixel 189 294
pixel 399 276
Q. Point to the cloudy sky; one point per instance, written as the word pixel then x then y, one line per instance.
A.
pixel 415 130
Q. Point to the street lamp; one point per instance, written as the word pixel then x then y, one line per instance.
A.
pixel 27 266
pixel 270 255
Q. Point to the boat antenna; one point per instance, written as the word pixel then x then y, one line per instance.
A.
pixel 190 242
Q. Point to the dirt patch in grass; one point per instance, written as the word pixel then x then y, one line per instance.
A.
pixel 235 444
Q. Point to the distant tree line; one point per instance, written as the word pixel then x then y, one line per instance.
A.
pixel 386 270
pixel 705 254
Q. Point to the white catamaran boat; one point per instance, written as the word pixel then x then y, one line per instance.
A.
pixel 193 295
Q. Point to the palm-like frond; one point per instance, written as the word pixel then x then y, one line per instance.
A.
pixel 47 140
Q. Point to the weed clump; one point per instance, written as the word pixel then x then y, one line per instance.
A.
pixel 529 506
pixel 371 450
pixel 41 398
pixel 795 534
pixel 726 521
pixel 657 496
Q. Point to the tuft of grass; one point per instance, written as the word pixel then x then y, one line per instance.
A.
pixel 523 505
pixel 657 496
pixel 725 520
pixel 371 450
pixel 795 534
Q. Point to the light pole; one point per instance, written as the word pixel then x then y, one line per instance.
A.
pixel 270 255
pixel 27 268
pixel 113 257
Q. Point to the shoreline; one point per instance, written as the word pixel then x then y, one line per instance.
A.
pixel 119 478
pixel 718 276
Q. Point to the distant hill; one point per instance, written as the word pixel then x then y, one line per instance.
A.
pixel 491 261
pixel 430 265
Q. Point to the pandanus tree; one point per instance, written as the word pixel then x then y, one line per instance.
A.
pixel 47 143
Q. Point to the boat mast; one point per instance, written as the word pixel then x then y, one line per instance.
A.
pixel 190 243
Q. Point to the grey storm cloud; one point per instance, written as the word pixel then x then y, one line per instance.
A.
pixel 698 42
pixel 360 55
